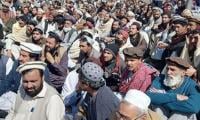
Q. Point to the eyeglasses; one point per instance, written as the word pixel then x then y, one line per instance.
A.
pixel 123 117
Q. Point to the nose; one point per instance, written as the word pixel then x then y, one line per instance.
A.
pixel 29 85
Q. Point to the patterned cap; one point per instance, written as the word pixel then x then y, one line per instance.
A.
pixel 92 72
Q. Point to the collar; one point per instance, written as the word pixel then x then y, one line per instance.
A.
pixel 42 92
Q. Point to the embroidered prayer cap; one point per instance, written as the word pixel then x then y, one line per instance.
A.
pixel 31 65
pixel 92 73
pixel 30 47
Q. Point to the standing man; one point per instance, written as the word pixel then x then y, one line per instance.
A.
pixel 36 100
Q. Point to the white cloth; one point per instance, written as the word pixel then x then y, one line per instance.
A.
pixel 70 84
pixel 55 108
pixel 9 65
pixel 7 100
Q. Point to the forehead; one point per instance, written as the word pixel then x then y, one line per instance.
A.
pixel 23 52
pixel 32 75
pixel 173 67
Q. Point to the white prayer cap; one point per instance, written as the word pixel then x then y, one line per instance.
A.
pixel 138 99
pixel 31 65
pixel 30 47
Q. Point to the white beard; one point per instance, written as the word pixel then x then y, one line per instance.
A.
pixel 172 81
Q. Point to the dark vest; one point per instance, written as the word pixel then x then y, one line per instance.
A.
pixel 3 83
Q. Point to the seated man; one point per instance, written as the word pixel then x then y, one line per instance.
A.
pixel 134 106
pixel 137 75
pixel 175 96
pixel 100 101
pixel 36 100
pixel 56 58
pixel 113 66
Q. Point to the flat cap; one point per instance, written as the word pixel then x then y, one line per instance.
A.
pixel 55 35
pixel 134 52
pixel 31 65
pixel 193 19
pixel 180 20
pixel 30 47
pixel 179 62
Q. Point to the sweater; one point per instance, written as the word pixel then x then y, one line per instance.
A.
pixel 169 101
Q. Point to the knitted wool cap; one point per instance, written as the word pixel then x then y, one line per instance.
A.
pixel 113 48
pixel 92 72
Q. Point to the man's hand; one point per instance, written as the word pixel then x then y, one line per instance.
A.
pixel 154 90
pixel 181 97
pixel 191 71
pixel 49 58
pixel 162 44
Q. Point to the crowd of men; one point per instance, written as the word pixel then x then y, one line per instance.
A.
pixel 99 59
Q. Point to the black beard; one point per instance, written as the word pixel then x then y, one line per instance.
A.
pixel 113 31
pixel 50 50
pixel 39 19
pixel 119 42
pixel 33 94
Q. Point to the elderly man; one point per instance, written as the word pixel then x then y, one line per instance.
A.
pixel 135 106
pixel 100 101
pixel 57 60
pixel 36 100
pixel 137 75
pixel 173 95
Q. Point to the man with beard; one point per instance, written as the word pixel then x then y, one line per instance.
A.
pixel 103 25
pixel 114 30
pixel 155 20
pixel 191 52
pixel 100 101
pixel 49 24
pixel 30 26
pixel 60 22
pixel 57 60
pixel 113 66
pixel 39 17
pixel 36 100
pixel 173 95
pixel 7 17
pixel 69 34
pixel 136 38
pixel 122 41
pixel 87 49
